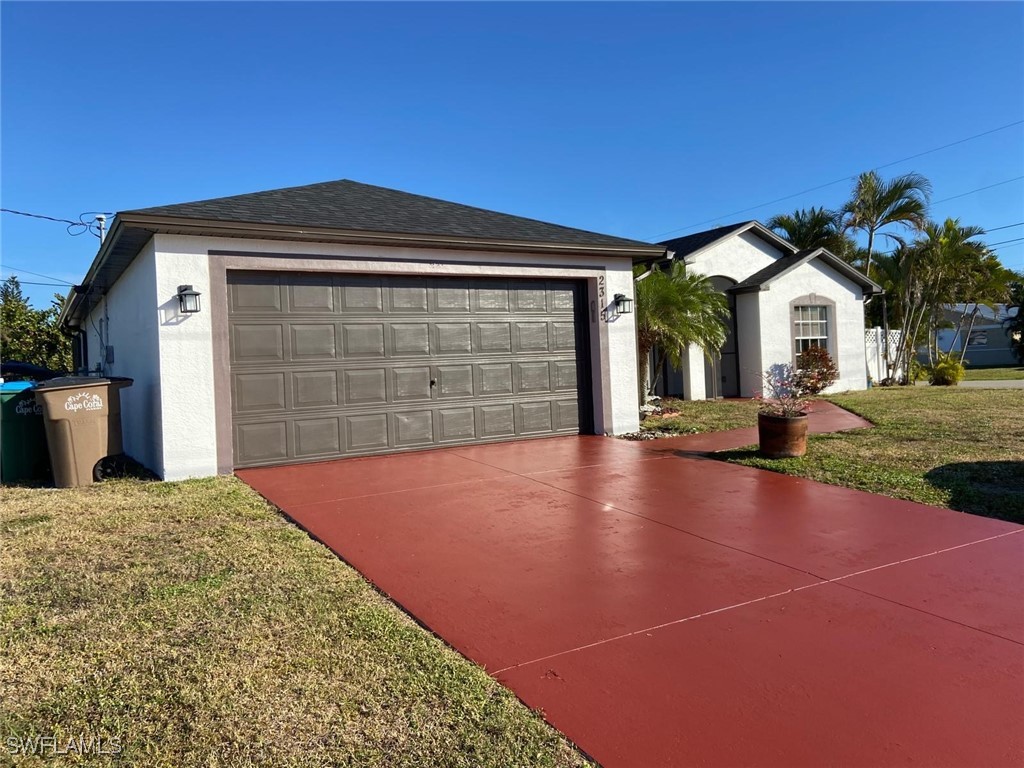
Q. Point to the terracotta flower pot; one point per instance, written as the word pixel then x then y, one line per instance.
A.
pixel 782 437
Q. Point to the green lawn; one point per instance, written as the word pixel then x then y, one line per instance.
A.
pixel 949 447
pixel 1000 373
pixel 193 623
pixel 702 416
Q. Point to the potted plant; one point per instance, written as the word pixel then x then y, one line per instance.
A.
pixel 782 415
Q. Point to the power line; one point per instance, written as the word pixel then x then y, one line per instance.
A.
pixel 12 268
pixel 30 282
pixel 1004 242
pixel 1005 226
pixel 979 189
pixel 987 245
pixel 85 226
pixel 39 216
pixel 837 181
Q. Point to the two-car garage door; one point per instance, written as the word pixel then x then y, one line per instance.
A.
pixel 347 365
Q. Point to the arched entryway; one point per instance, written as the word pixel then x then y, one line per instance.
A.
pixel 722 370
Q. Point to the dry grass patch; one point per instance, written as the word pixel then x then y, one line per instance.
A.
pixel 949 447
pixel 193 623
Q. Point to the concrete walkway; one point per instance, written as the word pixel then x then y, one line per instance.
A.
pixel 824 417
pixel 994 384
pixel 666 610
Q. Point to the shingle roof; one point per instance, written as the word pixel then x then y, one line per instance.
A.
pixel 684 246
pixel 351 205
pixel 782 265
pixel 773 270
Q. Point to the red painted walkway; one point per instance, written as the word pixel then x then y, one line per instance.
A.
pixel 664 610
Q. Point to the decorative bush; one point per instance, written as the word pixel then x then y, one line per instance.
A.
pixel 816 371
pixel 781 396
pixel 947 372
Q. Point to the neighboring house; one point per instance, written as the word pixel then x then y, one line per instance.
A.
pixel 988 342
pixel 343 319
pixel 782 300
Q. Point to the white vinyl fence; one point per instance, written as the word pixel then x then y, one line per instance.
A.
pixel 875 351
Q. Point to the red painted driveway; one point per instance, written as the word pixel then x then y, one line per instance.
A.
pixel 669 610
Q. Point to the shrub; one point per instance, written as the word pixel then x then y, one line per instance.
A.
pixel 816 371
pixel 948 371
pixel 918 372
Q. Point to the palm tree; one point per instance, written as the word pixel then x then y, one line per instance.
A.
pixel 814 228
pixel 876 203
pixel 943 266
pixel 674 310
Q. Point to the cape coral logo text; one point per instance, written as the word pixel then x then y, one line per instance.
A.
pixel 84 401
pixel 28 408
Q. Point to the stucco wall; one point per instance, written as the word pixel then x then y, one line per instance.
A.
pixel 186 365
pixel 192 349
pixel 847 320
pixel 133 337
pixel 763 322
pixel 737 258
pixel 748 343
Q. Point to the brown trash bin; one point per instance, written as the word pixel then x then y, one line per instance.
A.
pixel 82 415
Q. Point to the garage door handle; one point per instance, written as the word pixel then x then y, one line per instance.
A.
pixel 433 382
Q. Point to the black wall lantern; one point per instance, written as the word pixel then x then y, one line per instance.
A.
pixel 623 304
pixel 188 299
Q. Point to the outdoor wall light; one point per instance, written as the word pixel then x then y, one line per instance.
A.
pixel 623 304
pixel 188 299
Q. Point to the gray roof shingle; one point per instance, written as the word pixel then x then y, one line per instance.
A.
pixel 351 205
pixel 684 246
pixel 793 260
pixel 774 269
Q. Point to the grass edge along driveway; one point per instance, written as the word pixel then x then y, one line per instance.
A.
pixel 945 446
pixel 191 622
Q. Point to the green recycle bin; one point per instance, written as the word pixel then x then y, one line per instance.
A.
pixel 23 453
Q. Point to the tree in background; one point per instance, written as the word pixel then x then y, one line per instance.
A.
pixel 31 335
pixel 981 280
pixel 876 204
pixel 927 274
pixel 674 310
pixel 1015 323
pixel 815 228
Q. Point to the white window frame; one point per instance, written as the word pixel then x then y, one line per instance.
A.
pixel 811 324
pixel 826 309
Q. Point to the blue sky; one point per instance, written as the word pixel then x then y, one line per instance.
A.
pixel 630 119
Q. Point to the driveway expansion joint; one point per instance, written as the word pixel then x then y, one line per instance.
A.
pixel 822 582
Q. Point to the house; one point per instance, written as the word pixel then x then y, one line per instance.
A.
pixel 988 341
pixel 782 300
pixel 343 319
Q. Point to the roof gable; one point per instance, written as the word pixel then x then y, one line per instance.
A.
pixel 760 281
pixel 690 246
pixel 353 206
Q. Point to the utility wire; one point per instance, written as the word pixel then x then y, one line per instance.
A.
pixel 30 282
pixel 987 245
pixel 12 268
pixel 85 226
pixel 837 181
pixel 979 189
pixel 1005 226
pixel 39 216
pixel 1004 242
